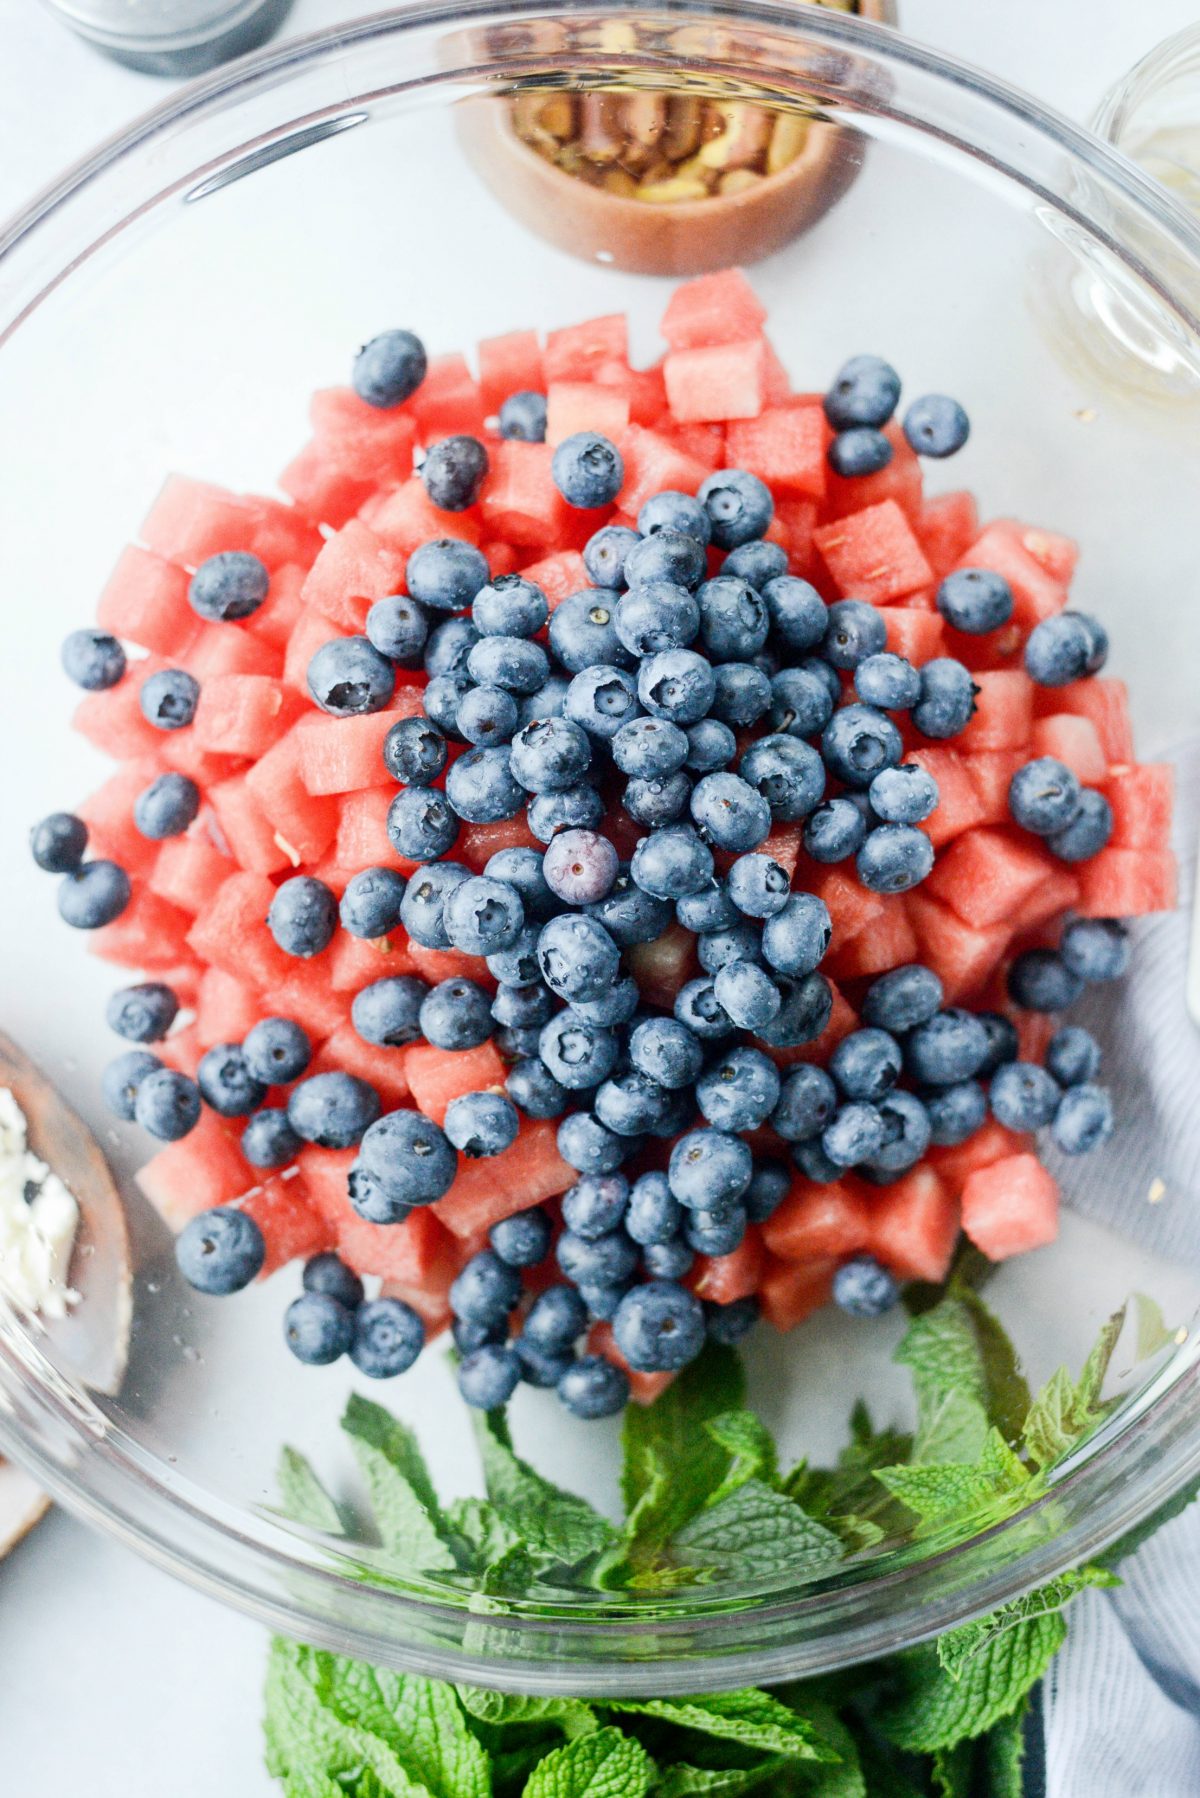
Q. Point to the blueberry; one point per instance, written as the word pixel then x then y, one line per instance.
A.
pixel 168 699
pixel 370 904
pixel 534 1090
pixel 398 627
pixel 887 681
pixel 740 1091
pixel 332 1110
pixel 388 1336
pixel 676 684
pixel 95 894
pixel 523 417
pixel 657 802
pixel 580 866
pixel 349 676
pixel 556 1318
pixel 446 574
pixel 854 631
pixel 1003 1042
pixel 517 1042
pixel 1044 796
pixel 456 1014
pixel 769 1187
pixel 523 1239
pixel 389 369
pixel 671 862
pixel 317 1328
pixel 423 905
pixel 742 694
pixel 167 1104
pixel 591 1261
pixel 760 563
pixel 801 703
pixel 631 1104
pixel 806 1010
pixel 671 511
pixel 268 1140
pixel 371 1201
pixel 488 1378
pixel 302 916
pixel 1059 649
pixel 1096 949
pixel 166 807
pixel 326 1273
pixel 902 999
pixel 226 1082
pixel 517 966
pixel 442 698
pixel 220 1251
pixel 956 1112
pixel 1097 642
pixel 859 742
pixel 468 1337
pixel 513 663
pixel 121 1079
pixel 798 615
pixel 733 619
pixel 894 858
pixel 715 1233
pixel 649 748
pixel 548 702
pixel 669 558
pixel 578 1054
pixel 709 1169
pixel 907 1133
pixel 539 1369
pixel 587 470
pixel 602 699
pixel 758 886
pixel 667 1051
pixel 521 1007
pixel 453 472
pixel 1023 1095
pixel 388 1011
pixel 795 939
pixel 577 957
pixel 854 1134
pixel 737 942
pixel 789 775
pixel 585 1144
pixel 57 842
pixel 92 659
pixel 486 716
pixel 482 915
pixel 630 916
pixel 481 1124
pixel 409 1157
pixel 861 1288
pixel 739 506
pixel 659 1326
pixel 711 744
pixel 903 795
pixel 480 787
pixel 1040 980
pixel 807 1102
pixel 815 1164
pixel 228 586
pixel 835 831
pixel 654 1215
pixel 593 1387
pixel 947 702
pixel 730 1323
pixel 142 1014
pixel 604 554
pixel 859 451
pixel 946 1048
pixel 595 1205
pixel 583 631
pixel 521 868
pixel 709 908
pixel 975 600
pixel 866 1064
pixel 729 812
pixel 1088 831
pixel 1083 1120
pixel 865 391
pixel 602 1301
pixel 936 425
pixel 696 1006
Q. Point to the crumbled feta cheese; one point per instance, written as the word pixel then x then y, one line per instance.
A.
pixel 38 1222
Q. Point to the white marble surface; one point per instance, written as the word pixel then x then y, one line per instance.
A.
pixel 113 1678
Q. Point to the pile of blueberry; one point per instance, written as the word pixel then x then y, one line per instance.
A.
pixel 639 691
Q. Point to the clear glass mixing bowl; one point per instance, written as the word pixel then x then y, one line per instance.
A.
pixel 169 306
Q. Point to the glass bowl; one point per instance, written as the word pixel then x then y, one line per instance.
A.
pixel 170 305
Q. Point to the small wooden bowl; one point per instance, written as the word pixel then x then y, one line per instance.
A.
pixel 690 237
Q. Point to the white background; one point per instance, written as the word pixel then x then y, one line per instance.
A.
pixel 114 1679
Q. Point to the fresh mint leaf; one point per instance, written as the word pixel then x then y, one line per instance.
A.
pixel 402 1497
pixel 431 1737
pixel 842 1778
pixel 755 1533
pixel 848 1497
pixel 941 1351
pixel 608 1764
pixel 682 1781
pixel 964 1489
pixel 751 1448
pixel 306 1733
pixel 751 1718
pixel 571 1715
pixel 481 1527
pixel 965 1375
pixel 550 1521
pixel 1007 1398
pixel 1153 1331
pixel 930 1710
pixel 312 1785
pixel 953 1427
pixel 1066 1410
pixel 302 1495
pixel 953 1772
pixel 1002 1754
pixel 958 1647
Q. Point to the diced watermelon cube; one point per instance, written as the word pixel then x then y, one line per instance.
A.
pixel 850 905
pixel 414 1252
pixel 345 1052
pixel 204 1169
pixel 501 559
pixel 435 965
pixel 1104 701
pixel 340 755
pixel 899 481
pixel 790 1291
pixel 477 843
pixel 404 517
pixel 520 501
pixel 242 714
pixel 1036 594
pixel 353 570
pixel 145 602
pixel 914 1226
pixel 1141 798
pixel 182 1049
pixel 1052 551
pixel 644 388
pixel 717 308
pixel 1010 1207
pixel 231 649
pixel 292 1229
pixel 990 772
pixel 724 1278
pixel 918 636
pixel 558 575
pixel 232 933
pixel 583 406
pixel 303 823
pixel 362 839
pixel 644 1388
pixel 510 364
pixel 987 874
pixel 719 381
pixel 654 463
pixel 321 490
pixel 992 1142
pixel 574 352
pixel 815 1222
pixel 245 828
pixel 665 965
pixel 438 1076
pixel 1127 883
pixel 872 554
pixel 958 807
pixel 112 720
pixel 371 443
pixel 887 942
pixel 355 962
pixel 962 954
pixel 311 632
pixel 226 1009
pixel 782 844
pixel 304 994
pixel 528 1171
pixel 946 525
pixel 1056 894
pixel 277 617
pixel 1003 711
pixel 192 520
pixel 188 870
pixel 108 814
pixel 792 527
pixel 448 402
pixel 785 447
pixel 148 934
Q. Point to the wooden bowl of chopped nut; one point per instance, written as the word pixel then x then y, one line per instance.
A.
pixel 663 181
